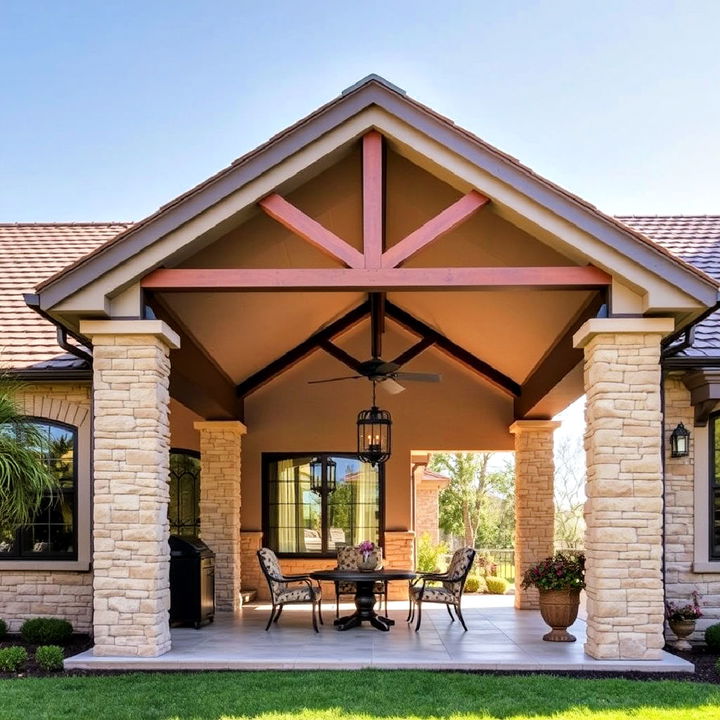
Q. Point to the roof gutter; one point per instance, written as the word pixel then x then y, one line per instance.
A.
pixel 33 301
pixel 669 350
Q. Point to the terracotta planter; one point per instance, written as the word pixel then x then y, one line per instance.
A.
pixel 682 629
pixel 559 609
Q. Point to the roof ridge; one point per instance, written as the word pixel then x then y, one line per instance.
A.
pixel 668 217
pixel 93 223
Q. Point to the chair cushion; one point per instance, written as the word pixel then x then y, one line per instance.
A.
pixel 298 594
pixel 433 594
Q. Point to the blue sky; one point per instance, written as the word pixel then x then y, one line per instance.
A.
pixel 111 108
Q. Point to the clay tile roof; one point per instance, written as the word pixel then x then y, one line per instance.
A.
pixel 29 253
pixel 695 239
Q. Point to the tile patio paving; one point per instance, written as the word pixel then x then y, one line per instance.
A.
pixel 498 638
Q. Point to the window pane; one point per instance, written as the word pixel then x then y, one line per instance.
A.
pixel 184 507
pixel 308 523
pixel 51 534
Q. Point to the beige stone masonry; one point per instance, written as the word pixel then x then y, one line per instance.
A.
pixel 623 511
pixel 250 576
pixel 686 512
pixel 534 501
pixel 399 553
pixel 132 439
pixel 220 446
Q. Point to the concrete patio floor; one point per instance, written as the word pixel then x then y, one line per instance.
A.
pixel 498 638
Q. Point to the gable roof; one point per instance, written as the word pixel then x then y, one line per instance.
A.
pixel 695 239
pixel 375 91
pixel 29 253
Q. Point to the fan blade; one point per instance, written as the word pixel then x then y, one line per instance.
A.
pixel 390 386
pixel 347 377
pixel 417 377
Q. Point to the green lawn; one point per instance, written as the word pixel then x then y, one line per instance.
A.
pixel 348 695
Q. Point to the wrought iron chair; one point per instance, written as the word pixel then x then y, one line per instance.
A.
pixel 453 582
pixel 347 559
pixel 305 589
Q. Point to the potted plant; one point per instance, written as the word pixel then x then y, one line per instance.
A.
pixel 681 619
pixel 559 580
pixel 369 556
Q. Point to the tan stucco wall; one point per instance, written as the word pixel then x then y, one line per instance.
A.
pixel 49 588
pixel 686 512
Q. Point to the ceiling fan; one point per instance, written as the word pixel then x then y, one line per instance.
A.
pixel 377 370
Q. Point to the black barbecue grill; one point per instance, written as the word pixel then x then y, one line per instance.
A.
pixel 192 580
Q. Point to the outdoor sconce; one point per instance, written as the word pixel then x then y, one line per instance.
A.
pixel 316 475
pixel 679 442
pixel 374 435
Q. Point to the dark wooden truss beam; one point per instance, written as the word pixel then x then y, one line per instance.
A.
pixel 278 366
pixel 560 359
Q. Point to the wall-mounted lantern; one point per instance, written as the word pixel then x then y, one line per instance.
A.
pixel 679 442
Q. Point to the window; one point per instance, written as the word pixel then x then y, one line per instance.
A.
pixel 300 521
pixel 184 507
pixel 715 486
pixel 53 533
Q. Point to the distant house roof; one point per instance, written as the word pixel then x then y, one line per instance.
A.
pixel 695 239
pixel 30 253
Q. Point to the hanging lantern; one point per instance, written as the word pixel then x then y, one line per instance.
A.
pixel 373 435
pixel 330 475
pixel 679 442
pixel 316 475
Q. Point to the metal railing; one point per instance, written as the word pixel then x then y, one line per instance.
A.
pixel 504 560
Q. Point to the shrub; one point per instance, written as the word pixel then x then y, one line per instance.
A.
pixel 12 658
pixel 3 629
pixel 472 584
pixel 50 657
pixel 430 557
pixel 46 631
pixel 496 585
pixel 712 636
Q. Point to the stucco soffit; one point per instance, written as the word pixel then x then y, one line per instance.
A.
pixel 582 232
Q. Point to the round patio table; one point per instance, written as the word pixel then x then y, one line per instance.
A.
pixel 364 594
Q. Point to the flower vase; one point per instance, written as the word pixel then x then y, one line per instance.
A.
pixel 682 630
pixel 367 562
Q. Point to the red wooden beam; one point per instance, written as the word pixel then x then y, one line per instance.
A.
pixel 434 228
pixel 373 199
pixel 570 277
pixel 310 230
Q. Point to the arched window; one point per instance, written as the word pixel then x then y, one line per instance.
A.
pixel 184 507
pixel 52 535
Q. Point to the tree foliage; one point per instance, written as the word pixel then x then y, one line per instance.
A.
pixel 478 504
pixel 25 476
pixel 569 493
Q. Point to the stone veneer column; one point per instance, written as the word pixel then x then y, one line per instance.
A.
pixel 623 511
pixel 399 552
pixel 131 557
pixel 220 504
pixel 534 501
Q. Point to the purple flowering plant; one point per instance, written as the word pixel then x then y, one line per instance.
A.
pixel 562 571
pixel 366 547
pixel 691 611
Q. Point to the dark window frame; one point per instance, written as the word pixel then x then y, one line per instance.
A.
pixel 270 457
pixel 713 488
pixel 195 454
pixel 20 554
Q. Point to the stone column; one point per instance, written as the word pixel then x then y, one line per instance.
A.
pixel 131 589
pixel 220 504
pixel 534 501
pixel 623 511
pixel 399 552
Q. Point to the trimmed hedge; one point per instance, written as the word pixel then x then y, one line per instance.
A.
pixel 3 629
pixel 50 657
pixel 496 585
pixel 12 658
pixel 712 636
pixel 46 631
